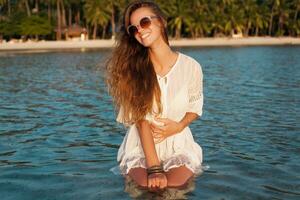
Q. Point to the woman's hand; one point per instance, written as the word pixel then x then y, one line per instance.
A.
pixel 169 127
pixel 157 181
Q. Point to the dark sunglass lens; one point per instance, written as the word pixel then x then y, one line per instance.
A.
pixel 145 22
pixel 132 30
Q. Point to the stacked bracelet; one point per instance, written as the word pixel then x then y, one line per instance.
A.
pixel 155 169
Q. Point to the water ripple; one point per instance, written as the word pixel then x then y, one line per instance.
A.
pixel 59 138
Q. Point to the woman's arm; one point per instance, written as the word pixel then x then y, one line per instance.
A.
pixel 187 119
pixel 171 127
pixel 147 141
pixel 157 179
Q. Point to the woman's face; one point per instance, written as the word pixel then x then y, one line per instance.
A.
pixel 151 35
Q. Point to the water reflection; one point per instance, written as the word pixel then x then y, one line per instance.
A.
pixel 136 192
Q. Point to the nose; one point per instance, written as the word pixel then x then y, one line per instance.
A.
pixel 139 28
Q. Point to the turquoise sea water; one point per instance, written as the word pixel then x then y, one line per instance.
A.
pixel 59 138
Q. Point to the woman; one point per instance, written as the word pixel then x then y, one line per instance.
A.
pixel 158 93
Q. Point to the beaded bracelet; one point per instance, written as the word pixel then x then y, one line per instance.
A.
pixel 155 169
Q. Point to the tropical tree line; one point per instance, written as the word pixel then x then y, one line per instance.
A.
pixel 47 19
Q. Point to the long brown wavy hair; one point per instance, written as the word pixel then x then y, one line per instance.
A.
pixel 131 78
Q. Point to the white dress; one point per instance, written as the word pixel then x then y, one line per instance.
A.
pixel 181 92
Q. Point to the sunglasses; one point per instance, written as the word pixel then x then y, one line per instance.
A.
pixel 145 22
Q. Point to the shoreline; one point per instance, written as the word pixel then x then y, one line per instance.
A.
pixel 199 42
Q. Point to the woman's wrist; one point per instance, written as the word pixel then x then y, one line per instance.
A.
pixel 181 126
pixel 155 169
pixel 187 119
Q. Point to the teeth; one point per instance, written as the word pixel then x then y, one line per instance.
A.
pixel 145 35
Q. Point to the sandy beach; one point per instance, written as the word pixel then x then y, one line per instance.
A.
pixel 89 44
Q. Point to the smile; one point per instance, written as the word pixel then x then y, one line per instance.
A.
pixel 145 35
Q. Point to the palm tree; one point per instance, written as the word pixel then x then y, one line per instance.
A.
pixel 73 6
pixel 250 10
pixel 275 5
pixel 296 4
pixel 217 18
pixel 49 8
pixel 179 13
pixel 260 19
pixel 58 13
pixel 198 25
pixel 97 14
pixel 235 16
pixel 283 15
pixel 63 13
pixel 294 22
pixel 27 6
pixel 3 2
pixel 113 7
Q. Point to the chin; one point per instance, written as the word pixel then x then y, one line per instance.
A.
pixel 145 43
pixel 148 43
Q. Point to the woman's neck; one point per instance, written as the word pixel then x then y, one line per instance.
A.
pixel 162 57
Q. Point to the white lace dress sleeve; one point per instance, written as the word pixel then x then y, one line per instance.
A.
pixel 195 91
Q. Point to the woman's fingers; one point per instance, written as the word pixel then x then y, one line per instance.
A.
pixel 150 183
pixel 163 184
pixel 160 126
pixel 163 120
pixel 153 183
pixel 162 181
pixel 158 137
pixel 157 134
pixel 157 182
pixel 159 140
pixel 157 128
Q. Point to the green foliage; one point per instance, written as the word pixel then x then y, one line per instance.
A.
pixel 35 25
pixel 19 24
pixel 179 14
pixel 11 26
pixel 186 18
pixel 96 12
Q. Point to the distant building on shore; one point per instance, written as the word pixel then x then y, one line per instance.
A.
pixel 75 32
pixel 236 34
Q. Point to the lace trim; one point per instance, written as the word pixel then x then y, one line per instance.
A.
pixel 194 98
pixel 172 162
pixel 180 160
pixel 132 162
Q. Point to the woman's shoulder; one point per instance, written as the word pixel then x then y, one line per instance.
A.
pixel 189 62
